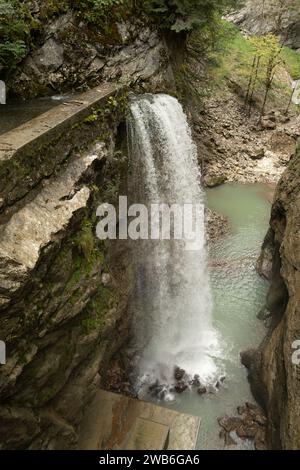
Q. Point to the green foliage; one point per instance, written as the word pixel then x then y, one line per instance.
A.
pixel 176 15
pixel 15 25
pixel 184 15
pixel 100 12
pixel 231 54
pixel 85 239
pixel 52 8
pixel 291 59
pixel 94 314
pixel 232 59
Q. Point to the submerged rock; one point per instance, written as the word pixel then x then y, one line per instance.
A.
pixel 158 390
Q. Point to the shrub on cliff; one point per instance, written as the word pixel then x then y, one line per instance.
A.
pixel 14 32
pixel 184 15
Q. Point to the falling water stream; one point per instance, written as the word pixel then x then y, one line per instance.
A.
pixel 196 310
pixel 172 304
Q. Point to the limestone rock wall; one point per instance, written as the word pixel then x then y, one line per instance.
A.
pixel 277 16
pixel 62 299
pixel 69 54
pixel 274 376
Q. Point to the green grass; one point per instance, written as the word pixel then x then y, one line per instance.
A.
pixel 292 62
pixel 232 54
pixel 232 59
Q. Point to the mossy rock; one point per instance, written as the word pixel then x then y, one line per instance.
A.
pixel 213 181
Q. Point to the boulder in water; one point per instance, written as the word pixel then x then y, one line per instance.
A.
pixel 202 390
pixel 181 386
pixel 179 373
pixel 158 390
pixel 196 381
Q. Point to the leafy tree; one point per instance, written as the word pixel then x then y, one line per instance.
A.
pixel 184 15
pixel 14 32
pixel 271 51
pixel 100 12
pixel 266 57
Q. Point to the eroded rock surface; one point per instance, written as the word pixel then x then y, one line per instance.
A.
pixel 70 54
pixel 271 16
pixel 61 300
pixel 273 373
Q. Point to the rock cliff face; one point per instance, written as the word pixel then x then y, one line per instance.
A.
pixel 70 54
pixel 274 375
pixel 61 301
pixel 281 17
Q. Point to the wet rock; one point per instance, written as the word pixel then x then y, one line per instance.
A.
pixel 24 420
pixel 247 357
pixel 211 390
pixel 250 425
pixel 229 423
pixel 264 314
pixel 265 261
pixel 180 387
pixel 260 440
pixel 216 225
pixel 179 373
pixel 214 180
pixel 158 390
pixel 246 432
pixel 202 390
pixel 196 381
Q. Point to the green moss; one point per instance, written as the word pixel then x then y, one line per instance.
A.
pixel 86 239
pixel 94 313
pixel 91 118
pixel 52 8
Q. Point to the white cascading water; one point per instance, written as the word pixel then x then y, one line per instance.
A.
pixel 171 302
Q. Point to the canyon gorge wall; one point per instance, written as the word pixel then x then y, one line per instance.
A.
pixel 274 376
pixel 68 53
pixel 281 17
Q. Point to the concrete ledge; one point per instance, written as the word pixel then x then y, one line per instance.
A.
pixel 147 434
pixel 112 421
pixel 32 151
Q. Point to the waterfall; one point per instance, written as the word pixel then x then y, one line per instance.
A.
pixel 171 303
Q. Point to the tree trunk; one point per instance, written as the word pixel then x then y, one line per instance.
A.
pixel 253 86
pixel 250 81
